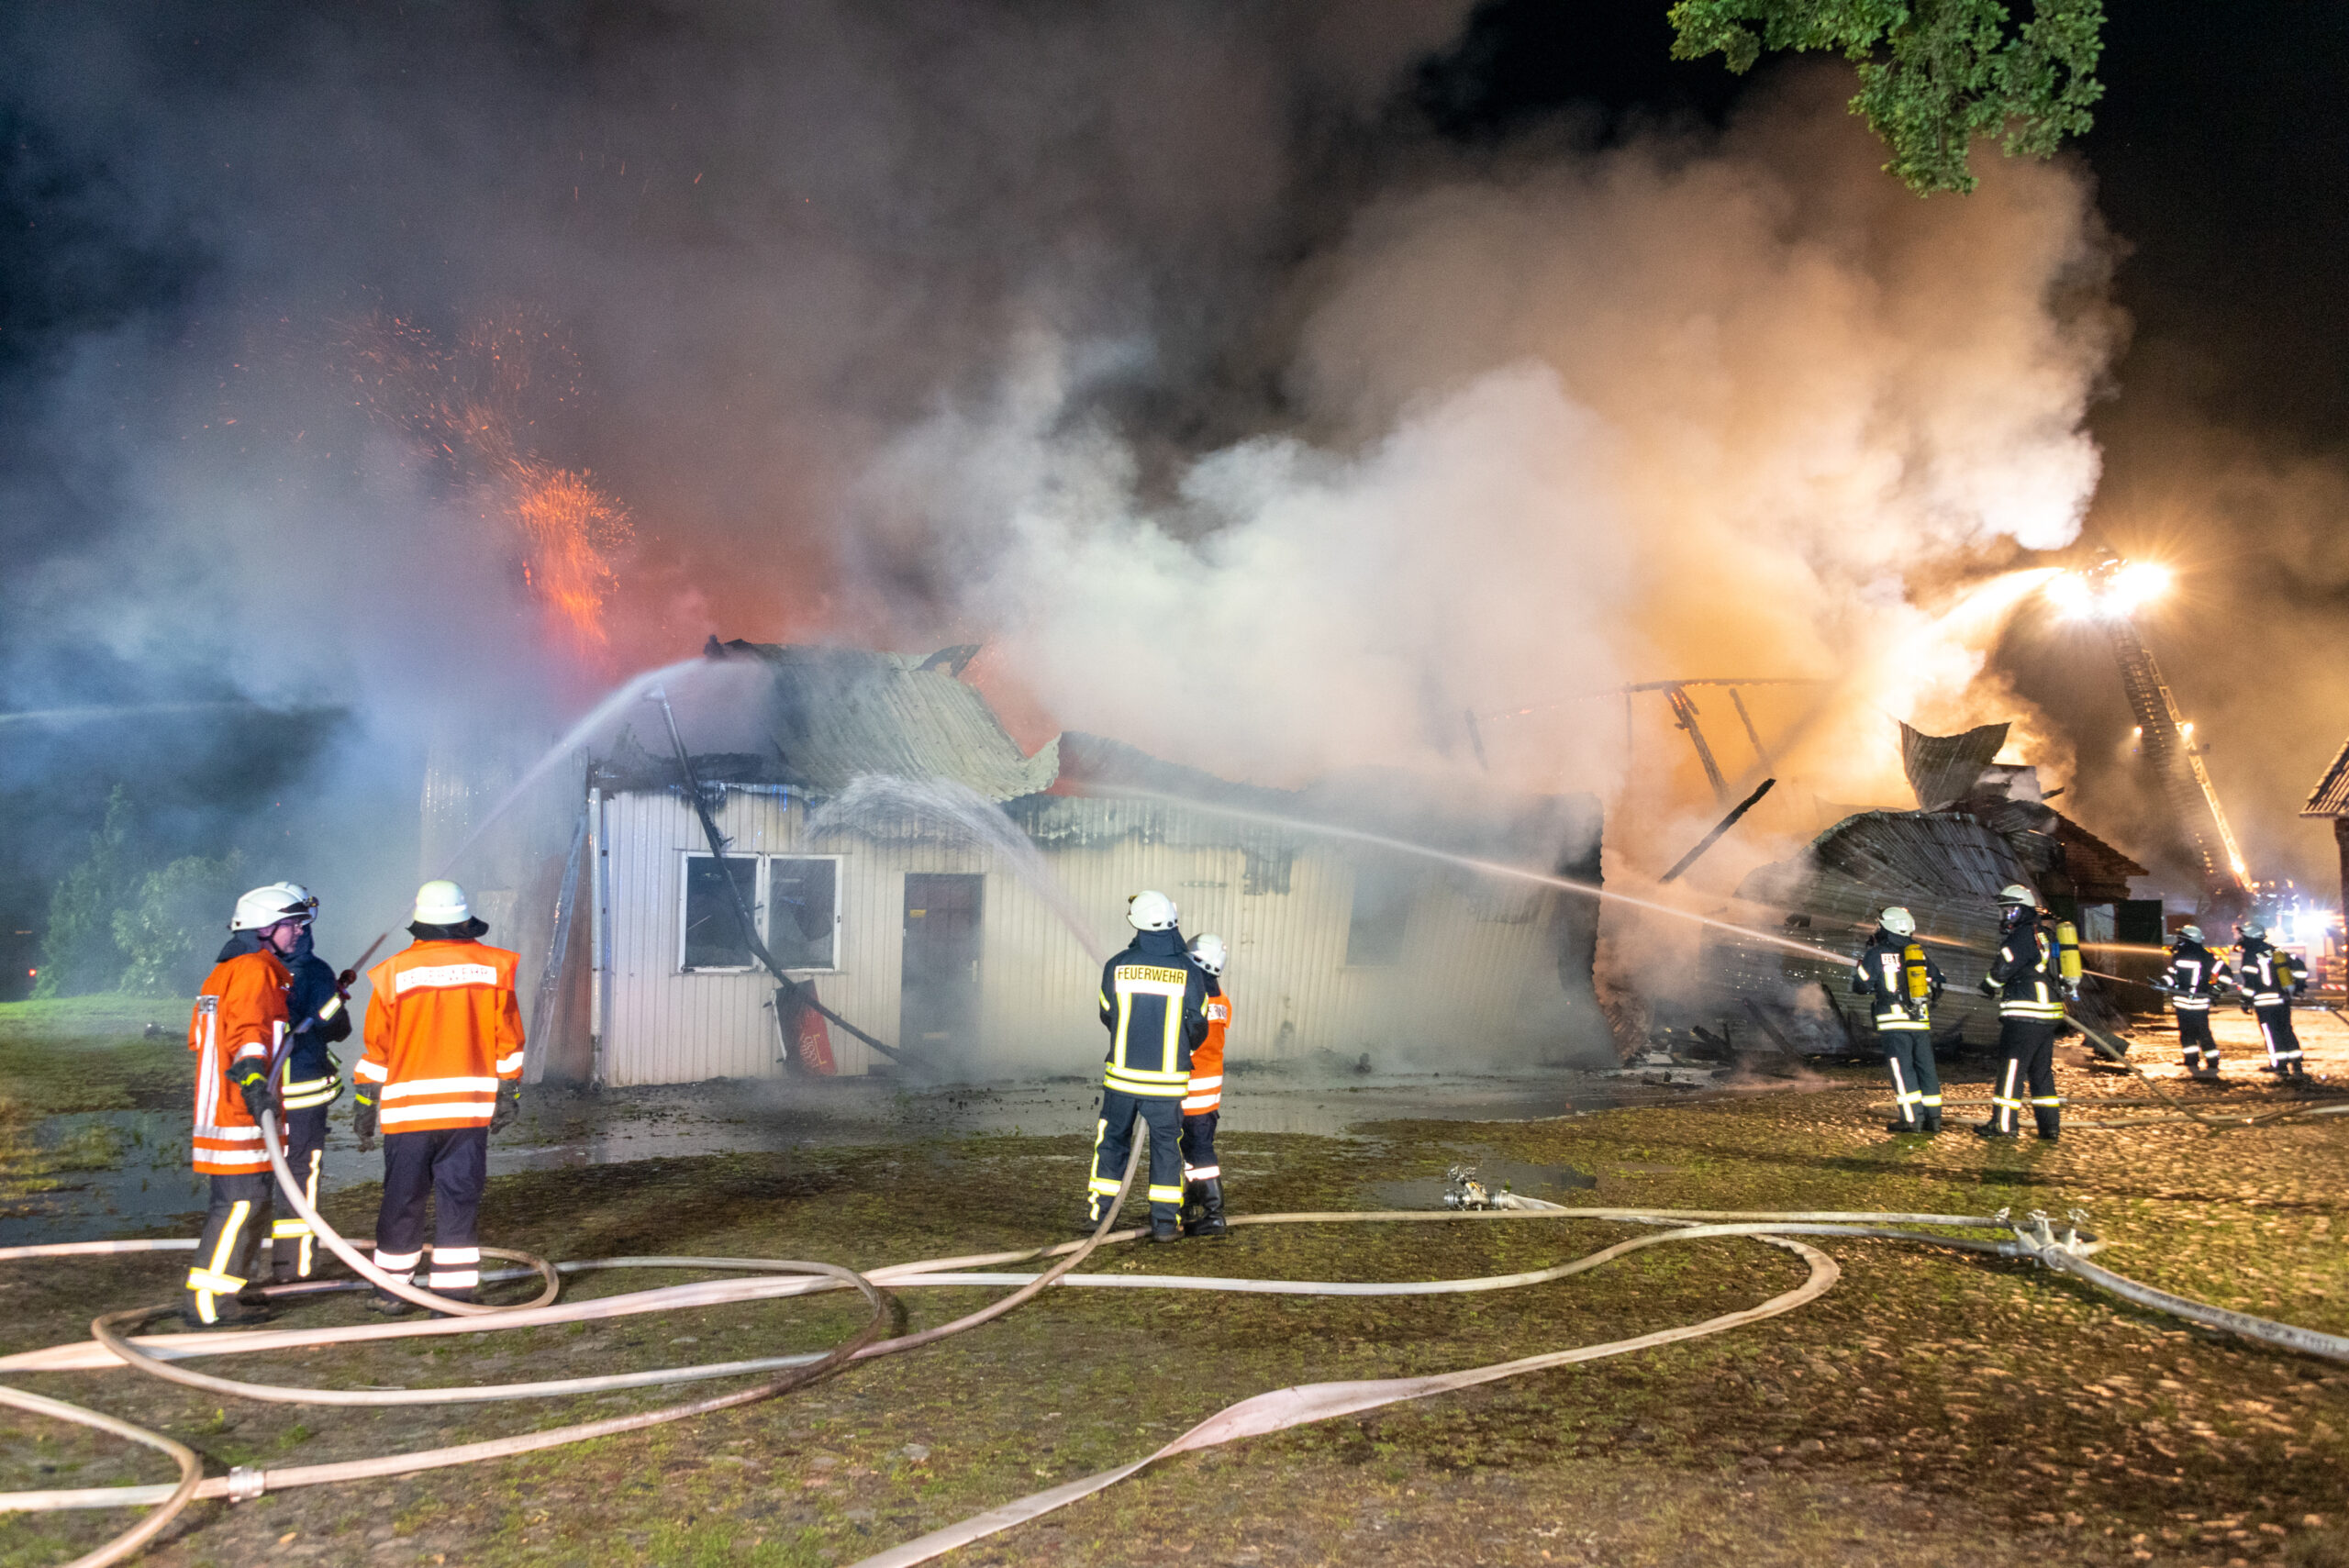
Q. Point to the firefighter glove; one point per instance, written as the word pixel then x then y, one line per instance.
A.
pixel 509 1106
pixel 253 1083
pixel 1989 986
pixel 363 1122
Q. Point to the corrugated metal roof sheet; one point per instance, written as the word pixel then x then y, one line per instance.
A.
pixel 2331 797
pixel 1941 768
pixel 835 715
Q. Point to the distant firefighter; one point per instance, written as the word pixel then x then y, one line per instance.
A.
pixel 237 1027
pixel 2270 979
pixel 2027 979
pixel 443 1070
pixel 317 1017
pixel 1202 1173
pixel 1902 984
pixel 1153 1003
pixel 2193 979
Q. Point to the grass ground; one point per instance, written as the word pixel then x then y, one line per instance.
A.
pixel 82 1054
pixel 1929 1409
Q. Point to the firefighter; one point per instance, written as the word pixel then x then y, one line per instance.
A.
pixel 2026 980
pixel 1153 1003
pixel 1902 984
pixel 443 1072
pixel 237 1027
pixel 2193 978
pixel 318 1016
pixel 2270 979
pixel 1202 1175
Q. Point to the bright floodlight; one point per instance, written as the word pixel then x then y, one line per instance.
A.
pixel 2110 589
pixel 2138 583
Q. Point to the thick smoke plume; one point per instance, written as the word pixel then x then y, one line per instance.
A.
pixel 1166 350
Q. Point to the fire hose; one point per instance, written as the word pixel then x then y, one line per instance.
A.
pixel 111 1347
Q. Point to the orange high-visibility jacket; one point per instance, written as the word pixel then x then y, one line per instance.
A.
pixel 1206 1062
pixel 443 1028
pixel 239 1014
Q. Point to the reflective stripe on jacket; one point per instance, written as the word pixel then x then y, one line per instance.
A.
pixel 2024 977
pixel 2267 972
pixel 444 1029
pixel 1879 974
pixel 1153 1002
pixel 240 1016
pixel 2195 973
pixel 1206 1062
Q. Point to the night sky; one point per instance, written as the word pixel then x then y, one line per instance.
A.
pixel 2218 166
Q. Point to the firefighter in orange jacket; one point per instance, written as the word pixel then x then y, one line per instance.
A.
pixel 237 1027
pixel 1202 1176
pixel 443 1070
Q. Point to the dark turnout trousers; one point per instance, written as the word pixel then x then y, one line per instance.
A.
pixel 233 1228
pixel 1916 1082
pixel 2276 1028
pixel 449 1165
pixel 2029 1045
pixel 2195 1042
pixel 293 1248
pixel 1113 1140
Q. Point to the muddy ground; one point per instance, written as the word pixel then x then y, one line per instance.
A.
pixel 1929 1409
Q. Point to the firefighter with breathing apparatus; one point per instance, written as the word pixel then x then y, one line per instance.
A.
pixel 1153 1003
pixel 2192 979
pixel 1902 984
pixel 443 1070
pixel 237 1030
pixel 2270 978
pixel 1202 1173
pixel 2032 977
pixel 318 1015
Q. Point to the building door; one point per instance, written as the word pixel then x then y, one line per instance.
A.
pixel 939 1010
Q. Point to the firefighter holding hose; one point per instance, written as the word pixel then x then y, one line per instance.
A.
pixel 1202 1175
pixel 443 1070
pixel 311 1079
pixel 1153 1003
pixel 2192 979
pixel 237 1029
pixel 2027 979
pixel 2270 979
pixel 1901 984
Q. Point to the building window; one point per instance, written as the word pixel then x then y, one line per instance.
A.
pixel 803 911
pixel 1382 907
pixel 713 931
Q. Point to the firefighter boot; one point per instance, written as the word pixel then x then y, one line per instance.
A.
pixel 1211 1220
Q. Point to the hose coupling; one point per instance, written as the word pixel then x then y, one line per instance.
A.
pixel 245 1483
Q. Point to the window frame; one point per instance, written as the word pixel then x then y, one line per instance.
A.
pixel 685 906
pixel 840 916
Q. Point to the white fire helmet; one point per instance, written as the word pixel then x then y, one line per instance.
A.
pixel 2191 933
pixel 265 906
pixel 2251 930
pixel 302 895
pixel 440 903
pixel 1900 922
pixel 1207 952
pixel 1151 912
pixel 2015 892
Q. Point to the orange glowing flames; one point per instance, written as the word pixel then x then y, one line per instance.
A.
pixel 472 405
pixel 571 530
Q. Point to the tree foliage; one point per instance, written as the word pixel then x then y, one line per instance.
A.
pixel 77 951
pixel 1934 74
pixel 171 928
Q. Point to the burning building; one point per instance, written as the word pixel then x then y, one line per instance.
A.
pixel 1979 825
pixel 948 898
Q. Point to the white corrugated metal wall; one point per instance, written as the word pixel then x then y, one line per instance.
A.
pixel 1476 967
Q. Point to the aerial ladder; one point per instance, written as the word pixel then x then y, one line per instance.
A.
pixel 2109 591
